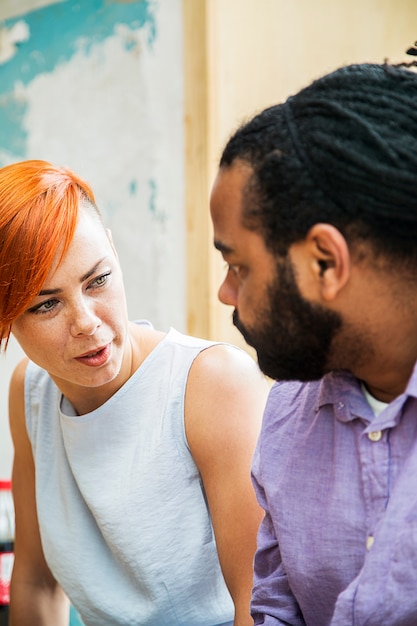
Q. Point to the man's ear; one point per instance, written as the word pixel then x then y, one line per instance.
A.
pixel 330 258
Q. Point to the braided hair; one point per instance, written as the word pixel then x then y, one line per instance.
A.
pixel 342 151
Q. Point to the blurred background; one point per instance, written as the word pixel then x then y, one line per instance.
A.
pixel 138 97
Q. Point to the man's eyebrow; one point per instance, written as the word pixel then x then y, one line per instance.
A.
pixel 222 247
pixel 51 292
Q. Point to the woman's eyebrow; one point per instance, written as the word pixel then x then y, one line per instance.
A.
pixel 49 292
pixel 92 271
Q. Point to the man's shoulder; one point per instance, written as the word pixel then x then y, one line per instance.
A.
pixel 287 396
pixel 297 400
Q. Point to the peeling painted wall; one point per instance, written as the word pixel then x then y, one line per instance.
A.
pixel 97 85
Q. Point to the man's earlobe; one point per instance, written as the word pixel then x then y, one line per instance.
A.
pixel 332 257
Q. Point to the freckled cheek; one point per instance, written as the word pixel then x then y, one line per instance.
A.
pixel 113 322
pixel 38 333
pixel 53 341
pixel 40 349
pixel 24 335
pixel 112 311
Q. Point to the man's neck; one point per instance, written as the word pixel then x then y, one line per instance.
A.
pixel 387 380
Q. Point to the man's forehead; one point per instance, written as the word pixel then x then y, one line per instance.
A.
pixel 228 190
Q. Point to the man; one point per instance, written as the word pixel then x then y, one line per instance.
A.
pixel 315 212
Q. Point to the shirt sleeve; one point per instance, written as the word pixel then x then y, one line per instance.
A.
pixel 273 602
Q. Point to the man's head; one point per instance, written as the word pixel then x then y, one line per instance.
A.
pixel 334 164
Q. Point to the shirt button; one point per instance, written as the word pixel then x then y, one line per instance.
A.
pixel 369 542
pixel 375 435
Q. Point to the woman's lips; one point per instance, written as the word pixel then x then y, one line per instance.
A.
pixel 95 358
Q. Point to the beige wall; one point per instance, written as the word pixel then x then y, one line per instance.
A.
pixel 246 55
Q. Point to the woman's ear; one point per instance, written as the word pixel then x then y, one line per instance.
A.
pixel 330 259
pixel 110 238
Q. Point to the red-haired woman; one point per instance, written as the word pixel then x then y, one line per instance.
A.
pixel 131 475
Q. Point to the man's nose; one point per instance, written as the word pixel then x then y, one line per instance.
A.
pixel 227 293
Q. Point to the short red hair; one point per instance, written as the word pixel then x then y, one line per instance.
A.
pixel 39 205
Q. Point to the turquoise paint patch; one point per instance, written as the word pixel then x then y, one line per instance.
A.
pixel 57 33
pixel 75 619
pixel 152 196
pixel 159 216
pixel 13 136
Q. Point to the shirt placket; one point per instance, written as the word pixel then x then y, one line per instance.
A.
pixel 376 473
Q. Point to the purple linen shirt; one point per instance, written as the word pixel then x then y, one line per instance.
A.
pixel 338 544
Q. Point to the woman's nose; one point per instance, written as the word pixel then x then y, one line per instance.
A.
pixel 84 320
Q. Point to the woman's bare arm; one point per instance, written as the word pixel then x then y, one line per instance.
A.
pixel 36 599
pixel 226 395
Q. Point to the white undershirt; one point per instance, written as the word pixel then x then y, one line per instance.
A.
pixel 376 405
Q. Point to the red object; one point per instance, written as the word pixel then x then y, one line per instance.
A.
pixel 6 566
pixel 6 551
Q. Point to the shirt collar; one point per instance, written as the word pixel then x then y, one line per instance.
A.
pixel 342 390
pixel 411 389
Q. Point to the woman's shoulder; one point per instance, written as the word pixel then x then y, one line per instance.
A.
pixel 17 380
pixel 144 338
pixel 17 396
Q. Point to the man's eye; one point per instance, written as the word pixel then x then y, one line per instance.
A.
pixel 235 269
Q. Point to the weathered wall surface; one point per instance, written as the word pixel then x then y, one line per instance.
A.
pixel 97 86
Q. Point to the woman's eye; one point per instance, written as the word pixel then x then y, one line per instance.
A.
pixel 44 307
pixel 100 280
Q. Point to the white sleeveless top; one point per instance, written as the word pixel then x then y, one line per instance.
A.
pixel 122 511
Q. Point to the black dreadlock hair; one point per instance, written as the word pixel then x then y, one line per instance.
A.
pixel 412 51
pixel 343 151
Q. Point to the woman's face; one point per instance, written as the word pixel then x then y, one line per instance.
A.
pixel 76 327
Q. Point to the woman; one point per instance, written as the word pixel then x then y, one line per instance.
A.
pixel 131 475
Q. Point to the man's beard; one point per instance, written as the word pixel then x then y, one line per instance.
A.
pixel 292 336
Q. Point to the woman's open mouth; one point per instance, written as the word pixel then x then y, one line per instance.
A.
pixel 96 357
